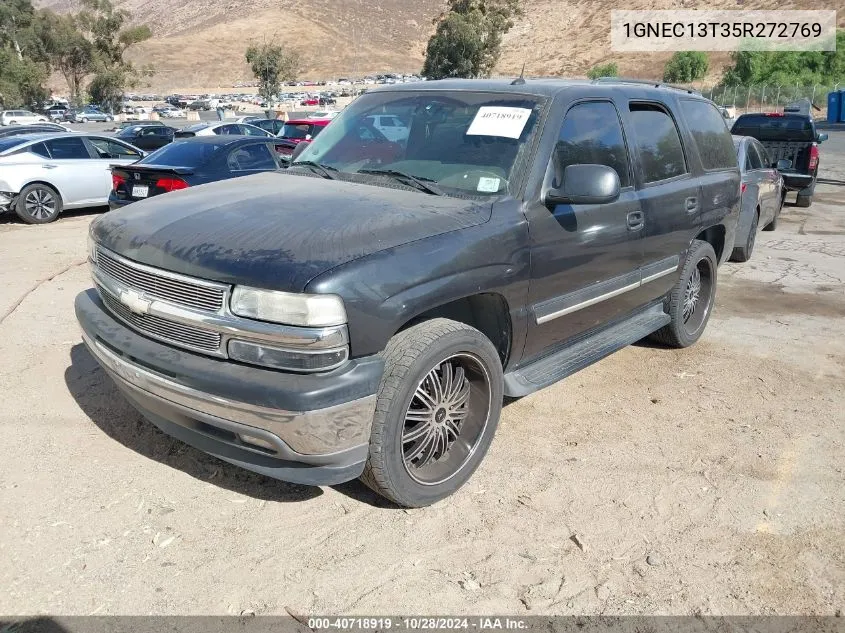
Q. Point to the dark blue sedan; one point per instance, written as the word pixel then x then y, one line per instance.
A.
pixel 190 162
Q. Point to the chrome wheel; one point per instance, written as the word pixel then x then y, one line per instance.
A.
pixel 445 419
pixel 698 296
pixel 40 204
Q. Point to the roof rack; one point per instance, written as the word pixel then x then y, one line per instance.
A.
pixel 645 82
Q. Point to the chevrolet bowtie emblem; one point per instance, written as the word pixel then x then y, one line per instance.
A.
pixel 135 302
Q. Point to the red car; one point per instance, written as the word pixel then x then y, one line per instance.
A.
pixel 297 131
pixel 310 101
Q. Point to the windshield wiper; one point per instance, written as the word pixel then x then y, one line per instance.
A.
pixel 423 184
pixel 324 170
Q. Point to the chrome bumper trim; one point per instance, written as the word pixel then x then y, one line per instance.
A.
pixel 317 432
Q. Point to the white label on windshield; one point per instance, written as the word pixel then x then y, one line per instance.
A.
pixel 499 121
pixel 488 185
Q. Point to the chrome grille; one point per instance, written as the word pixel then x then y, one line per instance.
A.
pixel 164 329
pixel 161 286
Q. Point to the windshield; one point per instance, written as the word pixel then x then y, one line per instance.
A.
pixel 463 142
pixel 8 143
pixel 296 130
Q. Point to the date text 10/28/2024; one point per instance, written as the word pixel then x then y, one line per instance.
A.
pixel 417 623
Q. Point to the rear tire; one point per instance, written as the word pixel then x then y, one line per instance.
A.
pixel 804 201
pixel 743 253
pixel 437 410
pixel 691 300
pixel 38 204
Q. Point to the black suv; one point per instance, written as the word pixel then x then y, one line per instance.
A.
pixel 792 142
pixel 365 311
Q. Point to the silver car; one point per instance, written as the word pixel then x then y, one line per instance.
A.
pixel 762 195
pixel 41 174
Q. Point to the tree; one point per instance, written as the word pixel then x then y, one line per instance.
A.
pixel 603 70
pixel 21 80
pixel 106 88
pixel 467 40
pixel 16 17
pixel 67 50
pixel 103 27
pixel 272 64
pixel 686 66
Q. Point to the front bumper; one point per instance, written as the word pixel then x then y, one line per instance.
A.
pixel 309 429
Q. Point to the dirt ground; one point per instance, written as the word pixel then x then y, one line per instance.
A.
pixel 708 480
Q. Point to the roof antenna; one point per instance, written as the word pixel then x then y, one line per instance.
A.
pixel 521 79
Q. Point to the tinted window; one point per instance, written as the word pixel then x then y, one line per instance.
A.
pixel 658 141
pixel 764 156
pixel 251 157
pixel 777 127
pixel 109 149
pixel 64 148
pixel 591 134
pixel 40 149
pixel 182 154
pixel 228 129
pixel 250 130
pixel 753 157
pixel 710 133
pixel 9 142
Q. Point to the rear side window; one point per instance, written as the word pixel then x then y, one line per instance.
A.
pixel 40 149
pixel 591 134
pixel 710 133
pixel 249 157
pixel 65 148
pixel 754 159
pixel 658 141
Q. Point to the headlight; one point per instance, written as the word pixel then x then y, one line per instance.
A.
pixel 288 307
pixel 287 359
pixel 92 248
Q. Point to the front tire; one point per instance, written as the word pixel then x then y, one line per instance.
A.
pixel 691 300
pixel 437 410
pixel 38 204
pixel 83 120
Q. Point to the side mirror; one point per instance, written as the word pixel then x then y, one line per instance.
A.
pixel 821 137
pixel 586 184
pixel 784 163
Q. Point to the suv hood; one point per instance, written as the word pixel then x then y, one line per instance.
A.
pixel 277 231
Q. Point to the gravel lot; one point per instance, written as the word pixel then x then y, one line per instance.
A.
pixel 707 480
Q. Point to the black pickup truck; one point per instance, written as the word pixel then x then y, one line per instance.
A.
pixel 365 311
pixel 792 144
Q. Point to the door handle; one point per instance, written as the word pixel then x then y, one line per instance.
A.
pixel 691 205
pixel 49 166
pixel 636 220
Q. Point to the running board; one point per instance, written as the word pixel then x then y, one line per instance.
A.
pixel 584 352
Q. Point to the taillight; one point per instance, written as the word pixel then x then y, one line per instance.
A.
pixel 116 181
pixel 171 184
pixel 744 186
pixel 814 157
pixel 774 114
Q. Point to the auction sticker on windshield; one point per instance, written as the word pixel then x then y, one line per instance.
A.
pixel 499 121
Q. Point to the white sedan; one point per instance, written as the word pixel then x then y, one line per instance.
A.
pixel 41 174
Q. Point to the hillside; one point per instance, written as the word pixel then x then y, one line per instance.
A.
pixel 201 43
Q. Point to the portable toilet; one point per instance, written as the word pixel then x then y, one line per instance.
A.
pixel 834 106
pixel 841 106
